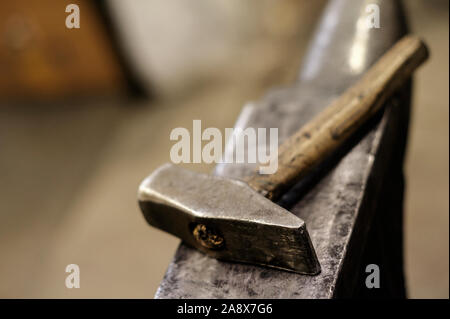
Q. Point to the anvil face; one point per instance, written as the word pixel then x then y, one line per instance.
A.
pixel 226 219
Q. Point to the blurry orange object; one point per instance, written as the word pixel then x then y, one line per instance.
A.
pixel 41 58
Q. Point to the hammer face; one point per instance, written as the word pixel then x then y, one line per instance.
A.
pixel 226 219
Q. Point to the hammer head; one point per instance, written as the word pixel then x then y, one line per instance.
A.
pixel 226 219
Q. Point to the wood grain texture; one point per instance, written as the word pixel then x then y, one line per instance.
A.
pixel 310 145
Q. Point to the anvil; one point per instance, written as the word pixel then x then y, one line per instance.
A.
pixel 238 221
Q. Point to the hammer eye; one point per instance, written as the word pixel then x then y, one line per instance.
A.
pixel 207 237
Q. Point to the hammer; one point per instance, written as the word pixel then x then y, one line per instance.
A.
pixel 238 221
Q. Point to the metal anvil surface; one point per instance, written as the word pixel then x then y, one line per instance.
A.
pixel 342 210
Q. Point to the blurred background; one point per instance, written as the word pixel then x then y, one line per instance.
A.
pixel 85 115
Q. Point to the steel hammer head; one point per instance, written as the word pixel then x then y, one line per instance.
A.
pixel 226 219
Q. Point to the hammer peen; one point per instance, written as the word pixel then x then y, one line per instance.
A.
pixel 237 221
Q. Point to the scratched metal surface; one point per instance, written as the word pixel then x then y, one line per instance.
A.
pixel 341 50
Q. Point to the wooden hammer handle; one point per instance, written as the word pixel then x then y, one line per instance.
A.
pixel 306 149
